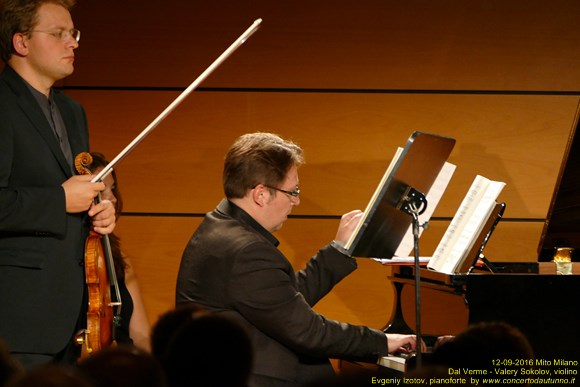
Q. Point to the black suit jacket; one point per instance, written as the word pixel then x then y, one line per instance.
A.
pixel 41 246
pixel 232 266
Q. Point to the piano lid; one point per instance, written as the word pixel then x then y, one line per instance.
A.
pixel 562 225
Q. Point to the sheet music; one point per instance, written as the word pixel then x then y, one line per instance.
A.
pixel 433 197
pixel 401 260
pixel 466 225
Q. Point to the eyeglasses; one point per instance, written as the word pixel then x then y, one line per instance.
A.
pixel 294 193
pixel 63 35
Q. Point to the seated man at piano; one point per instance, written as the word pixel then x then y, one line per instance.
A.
pixel 232 266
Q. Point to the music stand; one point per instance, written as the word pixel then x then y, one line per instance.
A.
pixel 397 203
pixel 386 220
pixel 476 252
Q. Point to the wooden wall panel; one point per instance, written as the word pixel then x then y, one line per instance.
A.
pixel 349 139
pixel 154 246
pixel 367 44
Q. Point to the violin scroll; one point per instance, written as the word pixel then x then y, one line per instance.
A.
pixel 82 163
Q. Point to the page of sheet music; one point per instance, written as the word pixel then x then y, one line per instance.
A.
pixel 401 260
pixel 466 225
pixel 433 197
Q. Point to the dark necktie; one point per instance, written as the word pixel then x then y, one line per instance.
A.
pixel 60 131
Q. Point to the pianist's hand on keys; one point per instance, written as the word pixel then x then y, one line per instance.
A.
pixel 403 343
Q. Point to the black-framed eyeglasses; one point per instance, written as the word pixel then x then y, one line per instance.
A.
pixel 62 35
pixel 294 193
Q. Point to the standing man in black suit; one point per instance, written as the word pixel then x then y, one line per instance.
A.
pixel 232 266
pixel 45 210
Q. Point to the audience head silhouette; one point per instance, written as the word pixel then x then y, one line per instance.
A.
pixel 209 350
pixel 169 323
pixel 122 366
pixel 480 343
pixel 9 367
pixel 50 375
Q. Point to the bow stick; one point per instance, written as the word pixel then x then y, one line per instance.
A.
pixel 109 168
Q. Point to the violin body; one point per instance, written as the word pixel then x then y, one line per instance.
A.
pixel 99 277
pixel 98 333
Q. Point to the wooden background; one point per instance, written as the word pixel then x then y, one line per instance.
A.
pixel 349 81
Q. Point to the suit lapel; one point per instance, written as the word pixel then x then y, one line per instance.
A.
pixel 34 113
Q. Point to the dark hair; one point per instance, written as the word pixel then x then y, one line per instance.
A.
pixel 99 161
pixel 169 323
pixel 20 16
pixel 195 354
pixel 480 343
pixel 123 365
pixel 9 366
pixel 258 158
pixel 50 375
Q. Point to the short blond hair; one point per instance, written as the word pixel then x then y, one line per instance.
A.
pixel 21 16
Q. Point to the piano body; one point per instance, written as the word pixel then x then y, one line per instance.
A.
pixel 532 297
pixel 545 306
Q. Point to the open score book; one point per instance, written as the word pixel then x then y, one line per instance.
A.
pixel 466 226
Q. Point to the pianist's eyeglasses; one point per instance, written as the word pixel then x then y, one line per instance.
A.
pixel 293 194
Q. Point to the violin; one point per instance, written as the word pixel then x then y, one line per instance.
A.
pixel 103 314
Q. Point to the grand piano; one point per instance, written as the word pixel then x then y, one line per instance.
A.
pixel 531 296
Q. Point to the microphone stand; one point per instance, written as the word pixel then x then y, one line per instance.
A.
pixel 414 203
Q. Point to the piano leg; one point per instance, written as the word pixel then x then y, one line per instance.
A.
pixel 398 323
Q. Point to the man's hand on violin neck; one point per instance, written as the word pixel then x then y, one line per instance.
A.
pixel 103 216
pixel 80 193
